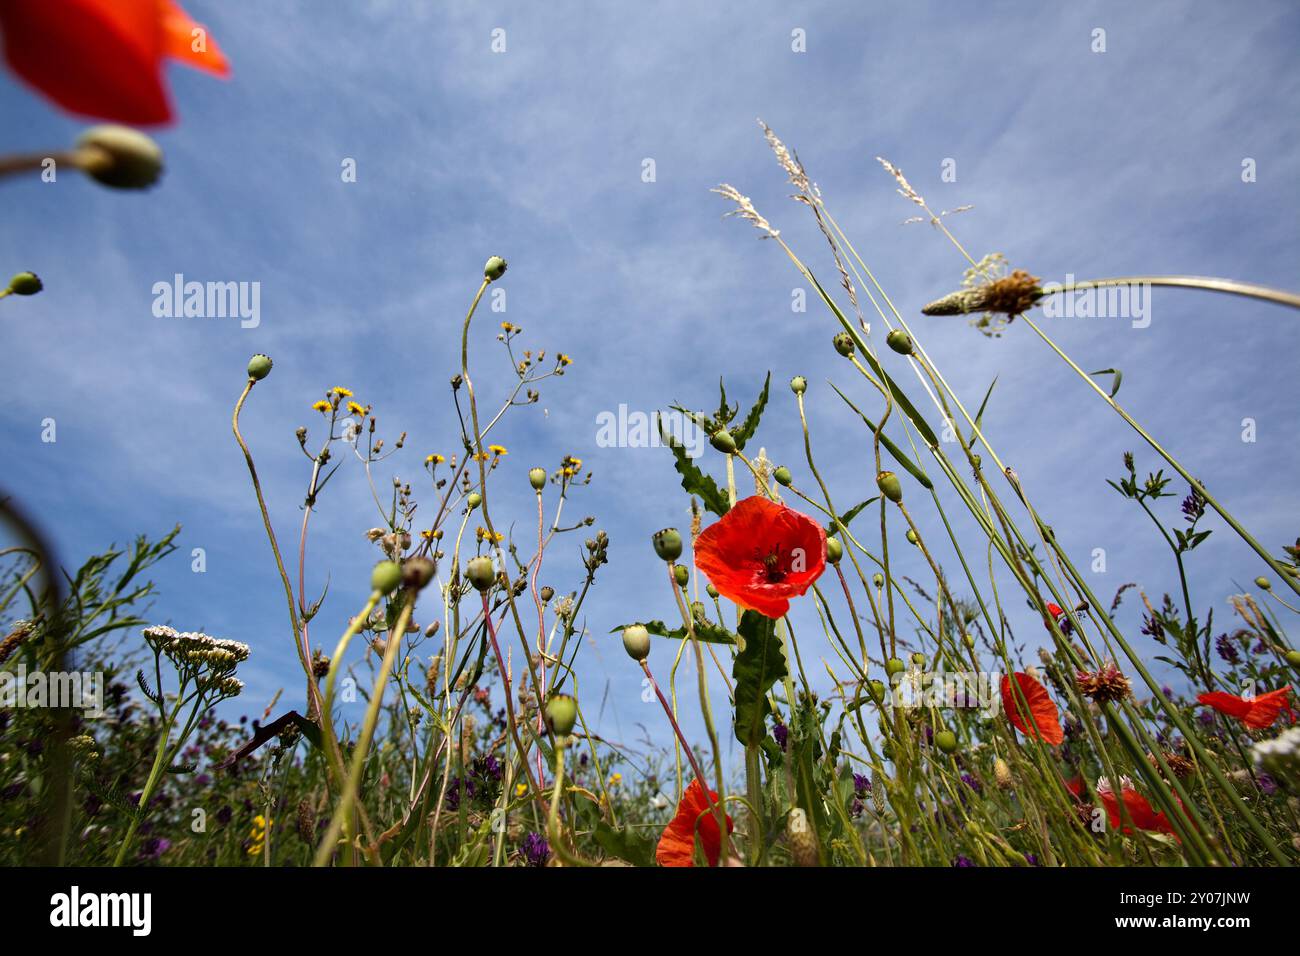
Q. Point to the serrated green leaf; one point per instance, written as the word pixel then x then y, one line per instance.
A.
pixel 747 428
pixel 760 665
pixel 694 481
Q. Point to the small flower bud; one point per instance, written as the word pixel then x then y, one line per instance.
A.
pixel 798 384
pixel 877 689
pixel 878 580
pixel 711 591
pixel 474 500
pixel 890 486
pixel 946 741
pixel 918 659
pixel 636 641
pixel 386 576
pixel 119 157
pixel 1263 583
pixel 561 714
pixel 668 544
pixel 681 574
pixel 723 442
pixel 259 367
pixel 843 343
pixel 417 573
pixel 494 269
pixel 481 573
pixel 1293 658
pixel 537 478
pixel 834 550
pixel 911 537
pixel 782 476
pixel 899 341
pixel 25 283
pixel 894 666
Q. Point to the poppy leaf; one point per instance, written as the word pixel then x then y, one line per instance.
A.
pixel 694 481
pixel 895 452
pixel 850 515
pixel 760 665
pixel 746 429
pixel 625 844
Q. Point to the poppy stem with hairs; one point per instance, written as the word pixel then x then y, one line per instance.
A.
pixel 690 754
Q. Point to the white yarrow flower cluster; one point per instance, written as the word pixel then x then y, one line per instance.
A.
pixel 209 661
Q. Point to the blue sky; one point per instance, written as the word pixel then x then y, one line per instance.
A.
pixel 1127 161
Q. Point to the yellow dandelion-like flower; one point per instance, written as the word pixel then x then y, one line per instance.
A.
pixel 497 450
pixel 564 359
pixel 507 327
pixel 481 456
pixel 521 789
pixel 356 409
pixel 434 460
pixel 615 779
pixel 255 849
pixel 571 462
pixel 321 406
pixel 342 392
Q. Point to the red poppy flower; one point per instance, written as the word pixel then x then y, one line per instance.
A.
pixel 1042 712
pixel 761 554
pixel 1140 812
pixel 1058 615
pixel 104 58
pixel 677 844
pixel 1257 712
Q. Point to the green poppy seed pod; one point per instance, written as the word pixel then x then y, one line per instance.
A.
pixel 25 283
pixel 119 157
pixel 537 478
pixel 417 573
pixel 918 659
pixel 877 688
pixel 494 269
pixel 681 574
pixel 480 572
pixel 911 537
pixel 843 343
pixel 723 442
pixel 711 591
pixel 890 486
pixel 547 593
pixel 636 641
pixel 798 384
pixel 878 580
pixel 783 476
pixel 561 714
pixel 386 576
pixel 834 550
pixel 668 544
pixel 474 500
pixel 1293 658
pixel 1263 583
pixel 894 666
pixel 899 341
pixel 946 741
pixel 259 367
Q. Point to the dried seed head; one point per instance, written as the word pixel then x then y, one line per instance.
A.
pixel 1105 685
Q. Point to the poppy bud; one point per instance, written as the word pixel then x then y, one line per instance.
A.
pixel 561 714
pixel 494 269
pixel 798 384
pixel 386 576
pixel 547 593
pixel 878 580
pixel 843 343
pixel 119 157
pixel 668 544
pixel 480 572
pixel 946 741
pixel 723 442
pixel 474 500
pixel 783 477
pixel 890 486
pixel 636 641
pixel 711 591
pixel 681 574
pixel 911 537
pixel 834 551
pixel 417 572
pixel 877 690
pixel 1293 658
pixel 25 283
pixel 918 659
pixel 894 666
pixel 899 341
pixel 1263 583
pixel 259 367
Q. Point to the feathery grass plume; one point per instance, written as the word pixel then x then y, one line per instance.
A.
pixel 745 210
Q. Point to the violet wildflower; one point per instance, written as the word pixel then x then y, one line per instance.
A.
pixel 782 734
pixel 962 861
pixel 1226 650
pixel 1193 506
pixel 535 849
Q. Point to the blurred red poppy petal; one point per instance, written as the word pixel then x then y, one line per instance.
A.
pixel 677 843
pixel 1042 712
pixel 1258 713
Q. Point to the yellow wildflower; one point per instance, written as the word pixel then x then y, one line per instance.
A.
pixel 341 391
pixel 434 460
pixel 356 409
pixel 497 450
pixel 321 406
pixel 564 359
pixel 521 789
